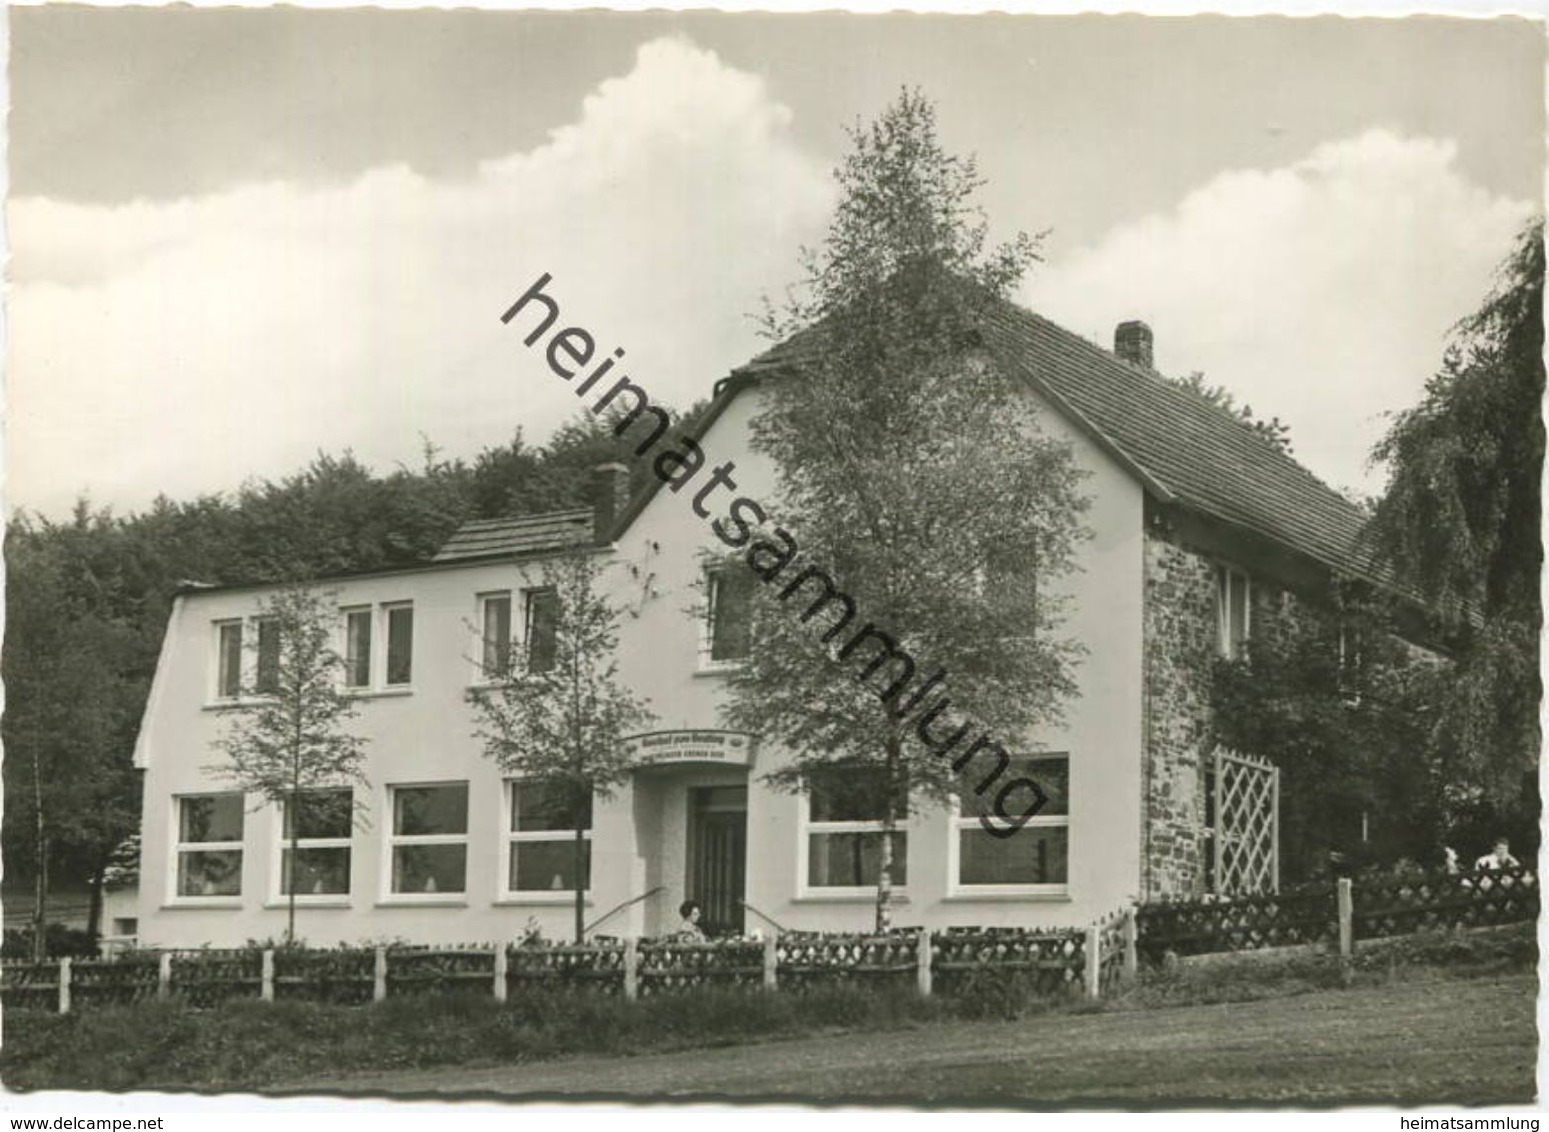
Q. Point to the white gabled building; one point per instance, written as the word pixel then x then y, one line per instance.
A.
pixel 1186 507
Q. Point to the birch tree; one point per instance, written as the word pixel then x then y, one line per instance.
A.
pixel 913 474
pixel 554 712
pixel 289 741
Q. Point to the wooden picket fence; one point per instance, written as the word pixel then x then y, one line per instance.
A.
pixel 952 962
pixel 1091 962
pixel 1337 914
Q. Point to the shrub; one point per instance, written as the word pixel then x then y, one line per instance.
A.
pixel 58 941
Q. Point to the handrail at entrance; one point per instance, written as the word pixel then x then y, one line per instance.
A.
pixel 779 927
pixel 615 911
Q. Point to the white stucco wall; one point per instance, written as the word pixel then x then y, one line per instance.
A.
pixel 1102 730
pixel 640 835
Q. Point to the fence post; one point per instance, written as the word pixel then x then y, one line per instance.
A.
pixel 379 976
pixel 771 962
pixel 631 968
pixel 64 985
pixel 1094 961
pixel 923 958
pixel 1346 926
pixel 164 974
pixel 501 958
pixel 1131 931
pixel 266 978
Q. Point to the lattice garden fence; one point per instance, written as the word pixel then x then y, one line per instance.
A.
pixel 1338 913
pixel 1400 905
pixel 1303 915
pixel 953 962
pixel 958 961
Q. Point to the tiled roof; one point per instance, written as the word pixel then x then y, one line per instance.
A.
pixel 1183 449
pixel 528 534
pixel 1190 451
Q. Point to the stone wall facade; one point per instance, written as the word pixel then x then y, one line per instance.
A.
pixel 1181 644
pixel 1182 647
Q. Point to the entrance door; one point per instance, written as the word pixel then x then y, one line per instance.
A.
pixel 717 858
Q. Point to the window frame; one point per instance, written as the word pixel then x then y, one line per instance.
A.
pixel 179 847
pixel 806 828
pixel 1226 576
pixel 1351 663
pixel 385 613
pixel 277 894
pixel 347 613
pixel 957 823
pixel 260 625
pixel 250 631
pixel 218 666
pixel 511 837
pixel 392 840
pixel 531 596
pixel 483 674
pixel 708 661
pixel 378 621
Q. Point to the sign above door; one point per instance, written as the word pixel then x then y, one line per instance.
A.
pixel 659 748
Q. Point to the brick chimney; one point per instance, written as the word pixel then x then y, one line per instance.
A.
pixel 1132 343
pixel 610 495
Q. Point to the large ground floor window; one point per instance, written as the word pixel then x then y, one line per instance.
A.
pixel 845 807
pixel 322 822
pixel 209 845
pixel 429 838
pixel 540 839
pixel 1035 857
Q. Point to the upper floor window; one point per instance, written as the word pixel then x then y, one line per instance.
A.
pixel 1038 854
pixel 540 843
pixel 228 662
pixel 387 650
pixel 1234 609
pixel 729 633
pixel 1351 669
pixel 321 822
pixel 542 628
pixel 266 679
pixel 429 838
pixel 494 634
pixel 241 669
pixel 209 845
pixel 845 811
pixel 357 648
pixel 400 644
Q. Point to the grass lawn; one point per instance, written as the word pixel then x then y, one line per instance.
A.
pixel 1419 1041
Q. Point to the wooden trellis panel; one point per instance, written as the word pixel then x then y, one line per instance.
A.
pixel 1247 824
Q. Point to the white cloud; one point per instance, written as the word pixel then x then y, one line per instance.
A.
pixel 1321 292
pixel 183 346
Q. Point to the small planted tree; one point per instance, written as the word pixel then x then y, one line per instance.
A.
pixel 290 743
pixel 931 513
pixel 554 712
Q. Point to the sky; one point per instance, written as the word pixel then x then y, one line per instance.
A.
pixel 241 237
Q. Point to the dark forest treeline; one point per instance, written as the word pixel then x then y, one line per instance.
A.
pixel 87 599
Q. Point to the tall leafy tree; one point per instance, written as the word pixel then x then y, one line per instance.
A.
pixel 554 712
pixel 76 669
pixel 291 742
pixel 913 472
pixel 1459 520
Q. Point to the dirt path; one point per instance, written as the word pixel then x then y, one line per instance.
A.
pixel 1458 1041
